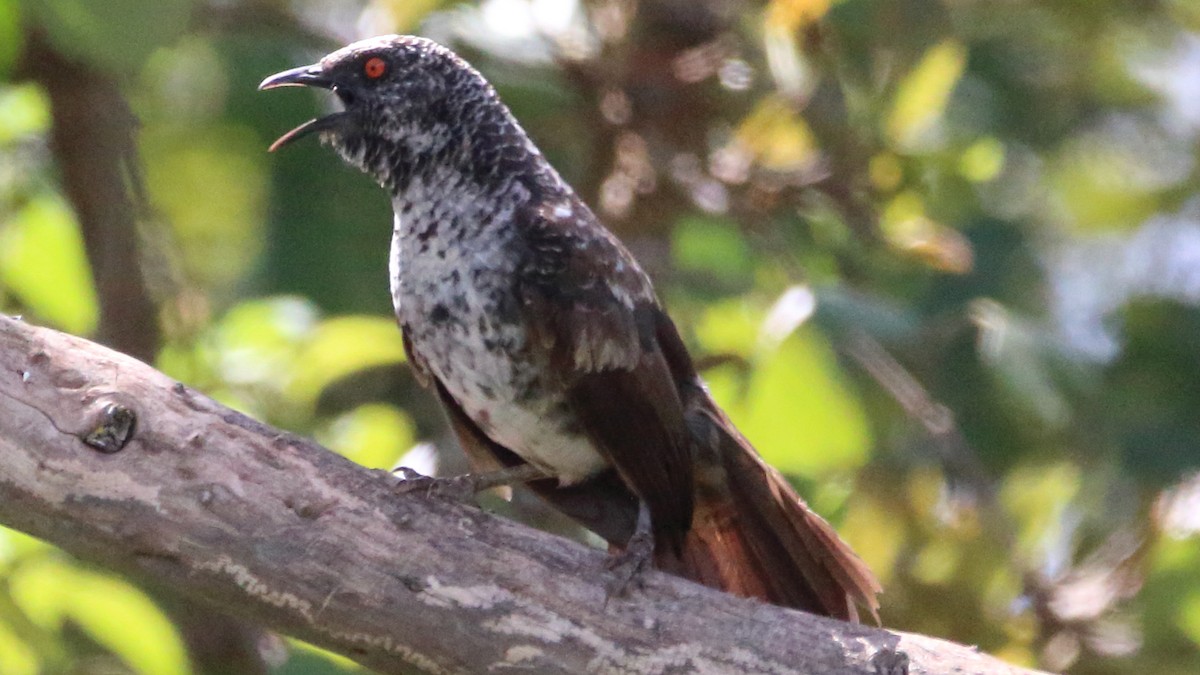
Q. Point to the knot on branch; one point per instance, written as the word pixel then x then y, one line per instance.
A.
pixel 110 428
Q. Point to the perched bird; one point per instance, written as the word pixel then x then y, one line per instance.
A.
pixel 544 340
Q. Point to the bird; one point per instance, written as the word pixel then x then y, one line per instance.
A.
pixel 547 346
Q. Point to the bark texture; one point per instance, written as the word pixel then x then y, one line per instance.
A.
pixel 117 463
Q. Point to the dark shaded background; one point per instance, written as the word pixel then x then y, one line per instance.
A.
pixel 942 261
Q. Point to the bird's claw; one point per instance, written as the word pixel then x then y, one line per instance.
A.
pixel 889 661
pixel 454 488
pixel 628 566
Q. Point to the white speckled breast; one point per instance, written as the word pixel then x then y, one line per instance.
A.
pixel 452 286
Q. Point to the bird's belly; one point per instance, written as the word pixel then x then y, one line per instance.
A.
pixel 518 411
pixel 538 436
pixel 482 361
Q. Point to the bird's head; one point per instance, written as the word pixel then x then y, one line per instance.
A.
pixel 408 104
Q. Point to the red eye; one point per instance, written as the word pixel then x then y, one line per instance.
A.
pixel 375 67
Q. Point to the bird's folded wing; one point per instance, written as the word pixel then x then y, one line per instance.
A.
pixel 591 312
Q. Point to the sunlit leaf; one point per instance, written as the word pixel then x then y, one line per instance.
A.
pixel 869 528
pixel 982 160
pixel 795 407
pixel 729 327
pixel 309 660
pixel 116 34
pixel 1178 555
pixel 37 591
pixel 124 620
pixel 1004 586
pixel 11 35
pixel 343 345
pixel 924 92
pixel 114 613
pixel 24 110
pixel 1104 186
pixel 885 171
pixel 41 254
pixel 924 239
pixel 187 84
pixel 257 341
pixel 1189 616
pixel 16 657
pixel 1037 496
pixel 800 413
pixel 777 136
pixel 793 14
pixel 936 562
pixel 15 544
pixel 374 435
pixel 711 245
pixel 211 183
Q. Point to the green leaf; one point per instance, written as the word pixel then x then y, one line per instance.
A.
pixel 1038 496
pixel 212 185
pixel 11 36
pixel 117 35
pixel 15 544
pixel 714 246
pixel 114 613
pixel 796 408
pixel 128 623
pixel 16 657
pixel 729 327
pixel 341 346
pixel 42 261
pixel 24 111
pixel 1189 616
pixel 800 413
pixel 257 341
pixel 306 659
pixel 374 435
pixel 925 91
pixel 982 161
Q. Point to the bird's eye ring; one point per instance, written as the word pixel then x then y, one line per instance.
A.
pixel 374 68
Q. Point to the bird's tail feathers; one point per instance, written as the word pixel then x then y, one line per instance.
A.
pixel 752 535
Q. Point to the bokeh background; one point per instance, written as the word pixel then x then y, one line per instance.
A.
pixel 940 260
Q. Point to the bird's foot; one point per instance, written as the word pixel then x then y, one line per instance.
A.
pixel 889 661
pixel 628 566
pixel 463 488
pixel 454 488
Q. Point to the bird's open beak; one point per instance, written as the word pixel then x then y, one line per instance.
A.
pixel 304 76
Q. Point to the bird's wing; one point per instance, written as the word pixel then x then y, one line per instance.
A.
pixel 592 312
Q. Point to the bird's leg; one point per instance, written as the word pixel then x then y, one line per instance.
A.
pixel 628 565
pixel 463 487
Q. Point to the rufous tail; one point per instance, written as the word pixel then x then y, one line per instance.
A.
pixel 753 536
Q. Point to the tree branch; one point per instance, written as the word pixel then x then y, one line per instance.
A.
pixel 256 522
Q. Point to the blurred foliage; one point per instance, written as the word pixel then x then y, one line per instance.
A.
pixel 939 258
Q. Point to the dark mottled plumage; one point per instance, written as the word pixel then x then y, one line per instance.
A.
pixel 545 342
